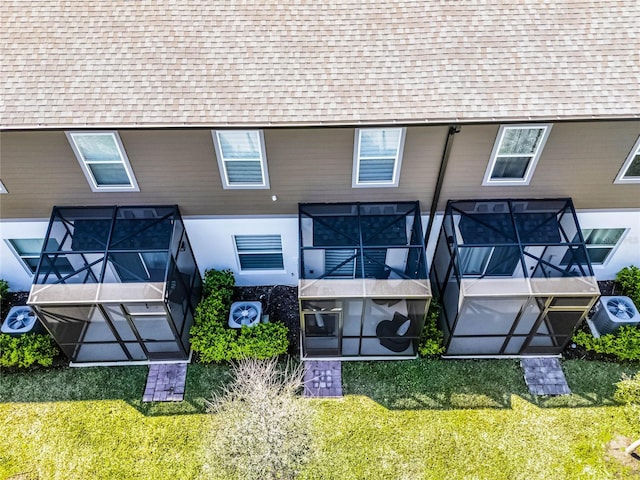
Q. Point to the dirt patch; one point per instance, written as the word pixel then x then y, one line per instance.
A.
pixel 615 452
pixel 280 302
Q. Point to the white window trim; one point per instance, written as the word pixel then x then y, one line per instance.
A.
pixel 133 184
pixel 489 182
pixel 258 271
pixel 396 167
pixel 614 248
pixel 627 163
pixel 3 189
pixel 17 254
pixel 223 168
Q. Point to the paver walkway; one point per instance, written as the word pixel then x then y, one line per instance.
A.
pixel 165 382
pixel 322 378
pixel 544 376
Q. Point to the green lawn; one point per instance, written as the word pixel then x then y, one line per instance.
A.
pixel 413 420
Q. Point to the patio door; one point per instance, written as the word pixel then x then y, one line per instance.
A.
pixel 155 331
pixel 322 324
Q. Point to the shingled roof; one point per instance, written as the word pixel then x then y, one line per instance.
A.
pixel 309 62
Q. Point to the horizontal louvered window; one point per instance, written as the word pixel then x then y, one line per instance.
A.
pixel 377 157
pixel 241 158
pixel 259 252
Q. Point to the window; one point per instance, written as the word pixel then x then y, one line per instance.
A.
pixel 601 242
pixel 630 171
pixel 103 161
pixel 377 157
pixel 241 158
pixel 3 189
pixel 515 154
pixel 259 252
pixel 28 251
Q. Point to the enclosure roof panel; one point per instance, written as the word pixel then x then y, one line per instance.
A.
pixel 120 63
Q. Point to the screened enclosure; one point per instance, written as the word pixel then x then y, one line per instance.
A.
pixel 117 284
pixel 363 289
pixel 513 276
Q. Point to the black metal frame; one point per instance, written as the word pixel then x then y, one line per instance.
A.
pixel 452 240
pixel 368 229
pixel 325 215
pixel 135 237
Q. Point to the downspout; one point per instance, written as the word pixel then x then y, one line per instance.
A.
pixel 453 129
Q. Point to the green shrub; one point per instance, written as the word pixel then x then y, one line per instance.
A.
pixel 629 280
pixel 623 344
pixel 214 341
pixel 26 350
pixel 262 341
pixel 431 339
pixel 628 390
pixel 220 281
pixel 4 289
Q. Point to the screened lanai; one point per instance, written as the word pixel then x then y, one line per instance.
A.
pixel 513 276
pixel 363 289
pixel 117 284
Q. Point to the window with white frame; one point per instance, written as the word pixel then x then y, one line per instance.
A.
pixel 630 171
pixel 28 252
pixel 3 189
pixel 515 154
pixel 103 161
pixel 601 242
pixel 241 158
pixel 377 157
pixel 259 252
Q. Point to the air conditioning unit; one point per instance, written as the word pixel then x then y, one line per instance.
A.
pixel 614 312
pixel 245 314
pixel 21 320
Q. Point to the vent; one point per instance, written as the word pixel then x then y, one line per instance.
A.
pixel 245 314
pixel 21 320
pixel 614 312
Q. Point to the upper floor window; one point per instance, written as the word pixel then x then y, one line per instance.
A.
pixel 103 161
pixel 515 154
pixel 630 171
pixel 3 189
pixel 241 158
pixel 377 157
pixel 259 252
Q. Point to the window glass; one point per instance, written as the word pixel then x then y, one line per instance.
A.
pixel 378 155
pixel 103 161
pixel 259 252
pixel 515 154
pixel 241 158
pixel 630 171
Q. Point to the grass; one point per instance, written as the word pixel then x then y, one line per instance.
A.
pixel 414 420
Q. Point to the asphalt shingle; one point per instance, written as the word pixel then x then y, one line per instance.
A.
pixel 278 62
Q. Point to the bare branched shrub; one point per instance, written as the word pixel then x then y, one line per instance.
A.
pixel 264 426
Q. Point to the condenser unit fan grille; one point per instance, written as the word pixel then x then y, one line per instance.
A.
pixel 19 320
pixel 620 308
pixel 245 314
